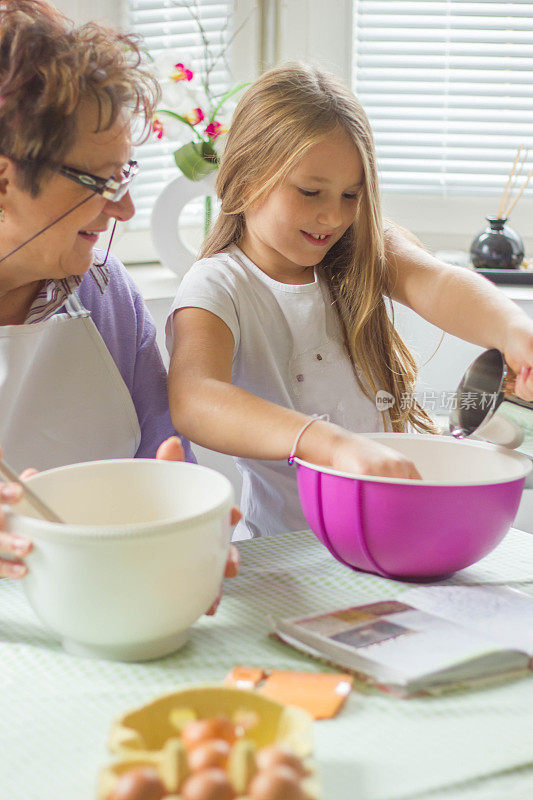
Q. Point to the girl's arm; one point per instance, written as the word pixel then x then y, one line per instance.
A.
pixel 462 303
pixel 212 412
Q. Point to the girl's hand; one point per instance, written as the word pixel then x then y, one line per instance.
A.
pixel 518 353
pixel 368 457
pixel 172 450
pixel 331 445
pixel 17 547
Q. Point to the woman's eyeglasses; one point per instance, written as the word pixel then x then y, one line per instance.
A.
pixel 112 189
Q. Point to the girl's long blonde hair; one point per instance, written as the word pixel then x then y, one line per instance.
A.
pixel 284 113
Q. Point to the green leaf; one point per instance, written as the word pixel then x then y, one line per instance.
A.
pixel 196 160
pixel 209 152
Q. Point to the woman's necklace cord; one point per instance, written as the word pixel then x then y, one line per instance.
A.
pixel 54 222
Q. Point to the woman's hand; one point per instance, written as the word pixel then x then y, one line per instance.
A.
pixel 518 352
pixel 172 450
pixel 17 547
pixel 232 564
pixel 328 444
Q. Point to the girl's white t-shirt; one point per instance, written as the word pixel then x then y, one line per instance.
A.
pixel 289 349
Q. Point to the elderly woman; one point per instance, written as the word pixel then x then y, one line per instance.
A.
pixel 81 376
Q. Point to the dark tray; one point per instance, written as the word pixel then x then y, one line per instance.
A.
pixel 516 277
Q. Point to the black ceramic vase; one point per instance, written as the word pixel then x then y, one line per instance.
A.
pixel 497 247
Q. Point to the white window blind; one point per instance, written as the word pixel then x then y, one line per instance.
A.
pixel 167 26
pixel 448 88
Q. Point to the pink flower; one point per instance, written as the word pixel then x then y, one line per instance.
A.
pixel 214 129
pixel 157 127
pixel 181 73
pixel 195 116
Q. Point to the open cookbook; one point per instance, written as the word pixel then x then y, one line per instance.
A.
pixel 431 639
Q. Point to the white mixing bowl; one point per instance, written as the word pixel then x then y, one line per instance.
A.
pixel 140 558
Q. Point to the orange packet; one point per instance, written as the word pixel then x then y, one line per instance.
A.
pixel 320 694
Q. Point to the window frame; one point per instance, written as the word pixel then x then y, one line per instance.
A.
pixel 135 246
pixel 323 34
pixel 449 222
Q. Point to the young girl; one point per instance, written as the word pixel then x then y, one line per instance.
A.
pixel 284 316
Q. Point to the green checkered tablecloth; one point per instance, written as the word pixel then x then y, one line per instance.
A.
pixel 56 709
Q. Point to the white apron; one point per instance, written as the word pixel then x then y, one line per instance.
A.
pixel 321 380
pixel 62 398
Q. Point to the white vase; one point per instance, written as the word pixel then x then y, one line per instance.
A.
pixel 172 251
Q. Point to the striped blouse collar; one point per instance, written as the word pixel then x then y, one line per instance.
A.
pixel 54 293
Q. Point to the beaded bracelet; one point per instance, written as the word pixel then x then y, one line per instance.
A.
pixel 302 430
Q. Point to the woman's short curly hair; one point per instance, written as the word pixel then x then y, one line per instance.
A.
pixel 48 67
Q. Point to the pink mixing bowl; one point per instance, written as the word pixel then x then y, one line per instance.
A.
pixel 412 529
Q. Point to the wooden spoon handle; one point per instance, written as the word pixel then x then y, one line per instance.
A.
pixel 42 509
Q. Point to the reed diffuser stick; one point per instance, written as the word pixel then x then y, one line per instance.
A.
pixel 518 173
pixel 503 199
pixel 519 195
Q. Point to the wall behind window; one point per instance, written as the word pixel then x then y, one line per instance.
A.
pixel 107 11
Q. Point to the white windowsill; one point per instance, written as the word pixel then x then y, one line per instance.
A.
pixel 441 224
pixel 156 282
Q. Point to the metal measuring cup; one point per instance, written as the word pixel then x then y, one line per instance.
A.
pixel 487 406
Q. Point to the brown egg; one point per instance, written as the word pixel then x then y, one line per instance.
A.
pixel 141 783
pixel 275 756
pixel 201 730
pixel 210 784
pixel 278 783
pixel 211 753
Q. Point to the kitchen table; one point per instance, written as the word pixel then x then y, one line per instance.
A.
pixel 56 709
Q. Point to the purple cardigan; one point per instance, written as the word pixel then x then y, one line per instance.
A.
pixel 129 333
